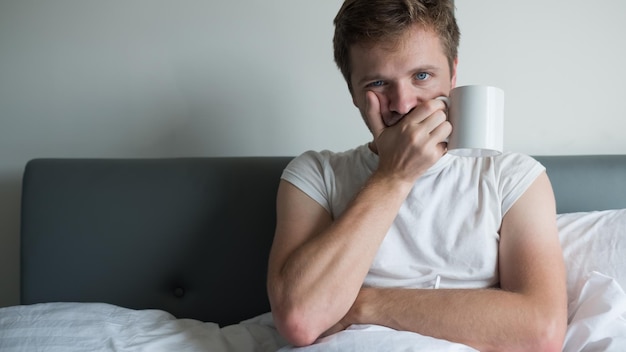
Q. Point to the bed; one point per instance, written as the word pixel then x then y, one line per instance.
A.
pixel 170 255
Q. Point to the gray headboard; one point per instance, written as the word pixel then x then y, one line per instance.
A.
pixel 587 182
pixel 191 236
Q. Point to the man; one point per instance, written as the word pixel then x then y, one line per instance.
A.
pixel 397 232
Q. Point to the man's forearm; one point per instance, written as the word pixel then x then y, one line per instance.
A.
pixel 317 282
pixel 486 319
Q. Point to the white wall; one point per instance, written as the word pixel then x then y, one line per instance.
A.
pixel 197 78
pixel 561 66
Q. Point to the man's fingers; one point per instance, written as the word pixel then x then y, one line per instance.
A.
pixel 442 131
pixel 425 111
pixel 435 120
pixel 373 116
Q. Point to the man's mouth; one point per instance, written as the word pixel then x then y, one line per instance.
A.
pixel 392 120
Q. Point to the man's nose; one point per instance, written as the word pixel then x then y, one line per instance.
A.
pixel 403 99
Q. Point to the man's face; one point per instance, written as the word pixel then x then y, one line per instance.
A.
pixel 402 74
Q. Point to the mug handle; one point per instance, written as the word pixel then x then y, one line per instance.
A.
pixel 445 99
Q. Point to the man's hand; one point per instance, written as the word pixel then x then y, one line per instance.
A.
pixel 408 148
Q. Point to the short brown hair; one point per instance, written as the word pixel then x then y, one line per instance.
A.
pixel 373 21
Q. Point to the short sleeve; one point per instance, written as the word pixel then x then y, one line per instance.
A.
pixel 307 172
pixel 516 172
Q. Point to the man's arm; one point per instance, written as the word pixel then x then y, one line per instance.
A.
pixel 528 313
pixel 317 264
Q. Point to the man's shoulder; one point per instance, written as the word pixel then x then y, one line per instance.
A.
pixel 501 161
pixel 326 158
pixel 515 160
pixel 506 166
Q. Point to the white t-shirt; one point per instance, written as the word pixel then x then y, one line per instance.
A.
pixel 446 233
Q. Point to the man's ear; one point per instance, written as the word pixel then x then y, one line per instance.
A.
pixel 455 63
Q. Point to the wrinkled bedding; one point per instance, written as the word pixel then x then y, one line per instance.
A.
pixel 594 247
pixel 597 323
pixel 66 327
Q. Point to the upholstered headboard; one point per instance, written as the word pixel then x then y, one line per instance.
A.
pixel 191 236
pixel 587 182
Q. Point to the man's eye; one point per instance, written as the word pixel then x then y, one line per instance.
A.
pixel 376 84
pixel 422 76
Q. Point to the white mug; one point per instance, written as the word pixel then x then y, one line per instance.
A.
pixel 476 113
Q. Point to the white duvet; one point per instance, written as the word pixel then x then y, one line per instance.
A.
pixel 67 327
pixel 597 323
pixel 594 246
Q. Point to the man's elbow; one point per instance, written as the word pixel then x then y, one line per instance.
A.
pixel 549 334
pixel 295 328
pixel 543 334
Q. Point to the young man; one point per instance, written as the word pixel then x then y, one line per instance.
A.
pixel 397 232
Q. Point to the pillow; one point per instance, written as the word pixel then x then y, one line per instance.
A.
pixel 593 241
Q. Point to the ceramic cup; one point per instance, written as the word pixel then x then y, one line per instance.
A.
pixel 476 113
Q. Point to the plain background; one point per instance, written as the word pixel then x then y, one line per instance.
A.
pixel 164 78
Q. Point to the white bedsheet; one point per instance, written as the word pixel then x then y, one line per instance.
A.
pixel 594 246
pixel 67 327
pixel 375 338
pixel 597 319
pixel 597 322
